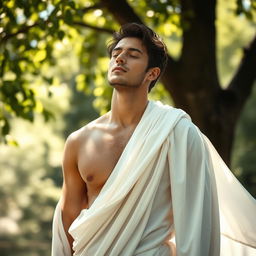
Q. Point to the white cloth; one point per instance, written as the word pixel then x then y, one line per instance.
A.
pixel 134 214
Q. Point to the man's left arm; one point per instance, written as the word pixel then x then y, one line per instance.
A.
pixel 194 196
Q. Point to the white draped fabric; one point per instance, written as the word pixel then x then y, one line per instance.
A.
pixel 163 188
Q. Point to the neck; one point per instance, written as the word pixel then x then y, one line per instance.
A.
pixel 127 107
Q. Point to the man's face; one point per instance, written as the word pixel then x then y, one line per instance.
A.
pixel 128 63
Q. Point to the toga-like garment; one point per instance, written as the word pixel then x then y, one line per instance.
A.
pixel 169 194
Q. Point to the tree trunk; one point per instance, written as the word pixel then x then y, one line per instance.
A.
pixel 193 82
pixel 202 97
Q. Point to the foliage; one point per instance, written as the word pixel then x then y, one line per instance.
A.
pixel 28 188
pixel 53 67
pixel 231 45
pixel 31 31
pixel 244 160
pixel 230 51
pixel 31 180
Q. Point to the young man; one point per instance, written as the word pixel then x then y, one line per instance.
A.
pixel 140 174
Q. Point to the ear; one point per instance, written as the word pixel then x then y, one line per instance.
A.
pixel 153 73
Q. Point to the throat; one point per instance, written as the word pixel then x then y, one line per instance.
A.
pixel 127 108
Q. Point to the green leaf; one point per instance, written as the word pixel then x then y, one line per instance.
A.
pixel 5 127
pixel 72 4
pixel 47 115
pixel 61 34
pixel 68 17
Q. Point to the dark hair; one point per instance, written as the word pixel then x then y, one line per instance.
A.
pixel 156 49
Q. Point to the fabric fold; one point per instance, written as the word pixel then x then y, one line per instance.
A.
pixel 60 244
pixel 116 221
pixel 237 210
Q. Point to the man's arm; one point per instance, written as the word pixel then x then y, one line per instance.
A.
pixel 195 204
pixel 74 193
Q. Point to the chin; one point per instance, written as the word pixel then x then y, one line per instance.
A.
pixel 117 82
pixel 119 85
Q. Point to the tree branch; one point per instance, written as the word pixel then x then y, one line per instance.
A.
pixel 198 55
pixel 93 7
pixel 4 37
pixel 86 25
pixel 242 82
pixel 122 12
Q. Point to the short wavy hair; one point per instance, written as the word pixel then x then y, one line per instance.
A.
pixel 156 49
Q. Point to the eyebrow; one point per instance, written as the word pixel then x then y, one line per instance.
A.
pixel 129 49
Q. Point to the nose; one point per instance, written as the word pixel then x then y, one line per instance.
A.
pixel 120 59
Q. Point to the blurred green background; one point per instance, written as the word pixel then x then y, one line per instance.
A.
pixel 54 61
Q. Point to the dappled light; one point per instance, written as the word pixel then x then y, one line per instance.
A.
pixel 53 66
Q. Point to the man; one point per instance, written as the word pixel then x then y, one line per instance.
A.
pixel 142 173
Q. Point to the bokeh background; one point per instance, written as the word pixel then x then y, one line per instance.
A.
pixel 53 64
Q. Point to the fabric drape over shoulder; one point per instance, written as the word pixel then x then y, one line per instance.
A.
pixel 202 189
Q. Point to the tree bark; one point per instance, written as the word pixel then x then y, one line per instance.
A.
pixel 193 82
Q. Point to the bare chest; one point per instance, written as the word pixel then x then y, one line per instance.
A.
pixel 99 155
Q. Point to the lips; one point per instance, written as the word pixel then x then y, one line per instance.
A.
pixel 119 69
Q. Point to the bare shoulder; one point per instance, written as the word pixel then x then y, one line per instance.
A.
pixel 81 135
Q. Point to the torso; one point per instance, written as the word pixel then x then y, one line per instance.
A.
pixel 100 147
